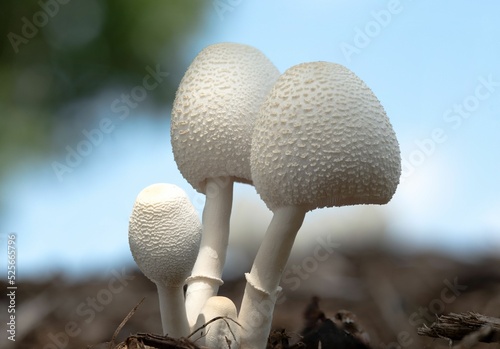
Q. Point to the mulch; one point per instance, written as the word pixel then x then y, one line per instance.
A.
pixel 358 298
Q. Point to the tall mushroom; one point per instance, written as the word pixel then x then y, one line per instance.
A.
pixel 164 238
pixel 212 120
pixel 321 139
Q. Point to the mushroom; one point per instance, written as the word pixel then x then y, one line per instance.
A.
pixel 211 128
pixel 321 139
pixel 217 324
pixel 164 238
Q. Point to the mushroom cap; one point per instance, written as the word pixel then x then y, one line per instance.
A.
pixel 323 139
pixel 164 234
pixel 214 111
pixel 214 334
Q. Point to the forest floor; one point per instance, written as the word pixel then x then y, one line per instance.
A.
pixel 377 297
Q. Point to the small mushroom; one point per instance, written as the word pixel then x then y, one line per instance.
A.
pixel 211 128
pixel 164 238
pixel 217 321
pixel 321 139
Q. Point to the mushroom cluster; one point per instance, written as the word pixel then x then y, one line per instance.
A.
pixel 315 136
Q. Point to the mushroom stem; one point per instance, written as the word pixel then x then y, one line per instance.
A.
pixel 173 314
pixel 262 282
pixel 206 276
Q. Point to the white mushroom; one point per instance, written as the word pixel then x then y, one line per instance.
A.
pixel 164 237
pixel 321 139
pixel 221 333
pixel 212 120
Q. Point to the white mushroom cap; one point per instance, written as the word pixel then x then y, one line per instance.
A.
pixel 214 111
pixel 164 234
pixel 217 334
pixel 323 139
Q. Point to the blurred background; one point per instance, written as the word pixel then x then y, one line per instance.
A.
pixel 86 92
pixel 80 134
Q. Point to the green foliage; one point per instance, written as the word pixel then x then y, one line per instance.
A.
pixel 55 52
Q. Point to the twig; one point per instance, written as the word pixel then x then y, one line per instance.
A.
pixel 162 342
pixel 124 321
pixel 225 318
pixel 459 326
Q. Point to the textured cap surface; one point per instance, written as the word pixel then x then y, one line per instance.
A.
pixel 323 139
pixel 164 234
pixel 214 111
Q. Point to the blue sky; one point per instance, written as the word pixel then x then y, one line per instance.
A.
pixel 433 65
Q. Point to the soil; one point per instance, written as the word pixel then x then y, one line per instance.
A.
pixel 355 299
